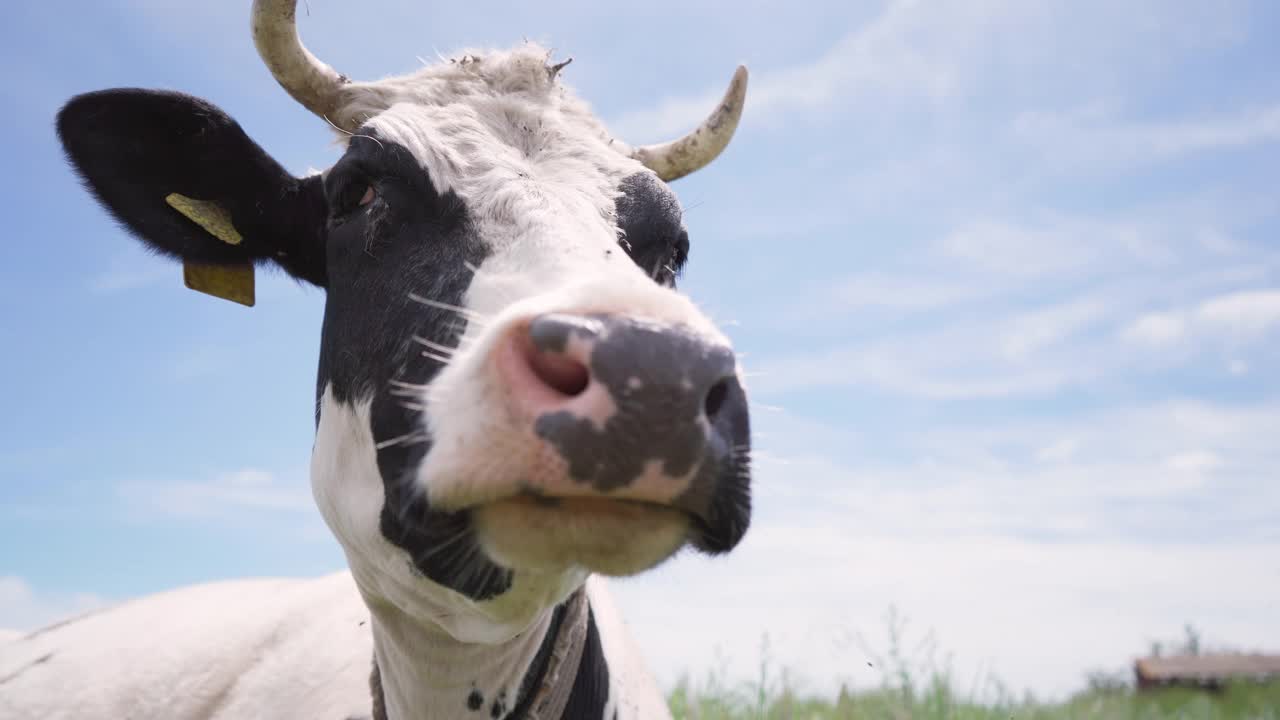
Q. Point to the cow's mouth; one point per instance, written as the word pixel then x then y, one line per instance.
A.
pixel 613 536
pixel 587 504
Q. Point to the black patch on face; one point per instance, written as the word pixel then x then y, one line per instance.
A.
pixel 409 239
pixel 652 227
pixel 591 685
pixel 499 707
pixel 682 380
pixel 475 700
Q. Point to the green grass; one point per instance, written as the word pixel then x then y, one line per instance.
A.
pixel 936 700
pixel 918 684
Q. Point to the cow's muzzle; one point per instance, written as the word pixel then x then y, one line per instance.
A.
pixel 637 410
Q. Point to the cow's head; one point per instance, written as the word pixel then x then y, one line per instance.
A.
pixel 511 393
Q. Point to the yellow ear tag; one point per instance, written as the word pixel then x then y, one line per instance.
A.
pixel 229 282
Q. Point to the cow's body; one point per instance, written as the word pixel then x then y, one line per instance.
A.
pixel 238 649
pixel 510 397
pixel 269 648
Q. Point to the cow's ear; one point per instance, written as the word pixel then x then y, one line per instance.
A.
pixel 183 177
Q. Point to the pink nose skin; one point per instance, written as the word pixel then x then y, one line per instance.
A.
pixel 609 421
pixel 541 381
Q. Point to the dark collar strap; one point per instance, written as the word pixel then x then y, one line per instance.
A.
pixel 547 695
pixel 551 693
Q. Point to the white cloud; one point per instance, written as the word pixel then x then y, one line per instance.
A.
pixel 911 49
pixel 1058 450
pixel 1020 307
pixel 932 53
pixel 1061 245
pixel 1243 313
pixel 1083 139
pixel 876 291
pixel 915 367
pixel 1239 316
pixel 1028 333
pixel 1014 249
pixel 223 494
pixel 1159 328
pixel 1123 473
pixel 997 354
pixel 1194 462
pixel 23 609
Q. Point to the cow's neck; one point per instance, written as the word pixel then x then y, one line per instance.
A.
pixel 422 672
pixel 425 670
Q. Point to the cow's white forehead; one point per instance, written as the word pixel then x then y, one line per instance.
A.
pixel 501 131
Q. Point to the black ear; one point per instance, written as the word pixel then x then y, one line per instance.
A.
pixel 141 152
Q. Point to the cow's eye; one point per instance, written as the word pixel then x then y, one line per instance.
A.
pixel 353 195
pixel 677 254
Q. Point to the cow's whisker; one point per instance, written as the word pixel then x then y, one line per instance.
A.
pixel 445 544
pixel 766 455
pixel 442 359
pixel 468 314
pixel 405 438
pixel 438 347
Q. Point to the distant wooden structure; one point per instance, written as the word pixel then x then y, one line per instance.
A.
pixel 1210 671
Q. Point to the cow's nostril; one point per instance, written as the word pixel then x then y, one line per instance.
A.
pixel 559 371
pixel 715 398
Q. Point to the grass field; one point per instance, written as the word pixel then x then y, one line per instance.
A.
pixel 936 700
pixel 918 684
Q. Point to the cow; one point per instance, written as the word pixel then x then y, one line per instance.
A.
pixel 512 398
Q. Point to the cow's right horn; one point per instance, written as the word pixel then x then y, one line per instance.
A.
pixel 692 152
pixel 304 76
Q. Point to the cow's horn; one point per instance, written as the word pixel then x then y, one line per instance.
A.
pixel 303 75
pixel 692 152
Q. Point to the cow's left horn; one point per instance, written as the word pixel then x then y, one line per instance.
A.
pixel 303 75
pixel 692 152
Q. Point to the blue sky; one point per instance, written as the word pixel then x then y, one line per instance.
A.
pixel 1007 276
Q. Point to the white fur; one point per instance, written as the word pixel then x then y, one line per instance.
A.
pixel 272 649
pixel 233 650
